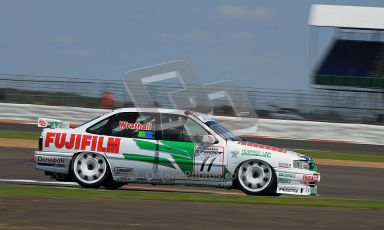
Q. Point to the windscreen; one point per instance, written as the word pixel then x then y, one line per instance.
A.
pixel 221 130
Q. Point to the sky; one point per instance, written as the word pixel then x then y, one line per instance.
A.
pixel 261 44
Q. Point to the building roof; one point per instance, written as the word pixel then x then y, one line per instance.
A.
pixel 353 17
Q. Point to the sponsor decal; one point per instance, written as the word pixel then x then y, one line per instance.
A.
pixel 42 123
pixel 287 175
pixel 293 190
pixel 123 171
pixel 310 178
pixel 234 153
pixel 125 178
pixel 209 150
pixel 257 153
pixel 45 122
pixel 208 160
pixel 284 180
pixel 139 126
pixel 284 165
pixel 83 142
pixel 145 134
pixel 51 162
pixel 211 138
pixel 262 147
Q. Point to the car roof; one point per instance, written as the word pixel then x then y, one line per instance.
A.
pixel 155 110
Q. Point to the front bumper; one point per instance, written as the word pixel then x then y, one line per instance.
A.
pixel 304 190
pixel 53 161
pixel 297 183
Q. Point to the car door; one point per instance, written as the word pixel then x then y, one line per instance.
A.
pixel 138 144
pixel 182 144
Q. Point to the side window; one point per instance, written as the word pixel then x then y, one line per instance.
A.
pixel 181 128
pixel 134 125
pixel 131 125
pixel 101 127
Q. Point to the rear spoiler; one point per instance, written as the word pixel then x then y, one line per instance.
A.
pixel 53 123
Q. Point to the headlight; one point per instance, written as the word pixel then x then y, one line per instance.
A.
pixel 301 164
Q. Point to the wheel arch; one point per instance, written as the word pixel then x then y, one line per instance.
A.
pixel 254 159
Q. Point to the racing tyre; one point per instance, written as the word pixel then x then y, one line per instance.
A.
pixel 112 185
pixel 90 170
pixel 256 178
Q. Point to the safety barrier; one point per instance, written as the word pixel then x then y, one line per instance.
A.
pixel 273 128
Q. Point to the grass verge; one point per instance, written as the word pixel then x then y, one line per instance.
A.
pixel 67 193
pixel 19 135
pixel 366 157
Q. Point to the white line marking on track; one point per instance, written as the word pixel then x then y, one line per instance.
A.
pixel 74 185
pixel 38 182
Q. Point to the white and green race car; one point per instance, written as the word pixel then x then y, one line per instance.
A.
pixel 164 146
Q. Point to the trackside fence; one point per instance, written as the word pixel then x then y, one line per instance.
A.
pixel 310 105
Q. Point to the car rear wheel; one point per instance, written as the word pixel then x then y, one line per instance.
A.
pixel 256 178
pixel 91 170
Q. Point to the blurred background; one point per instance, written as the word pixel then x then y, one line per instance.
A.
pixel 75 54
pixel 313 71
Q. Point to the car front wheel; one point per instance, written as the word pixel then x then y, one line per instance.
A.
pixel 256 177
pixel 90 170
pixel 112 185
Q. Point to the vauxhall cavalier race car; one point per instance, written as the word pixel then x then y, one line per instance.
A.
pixel 163 146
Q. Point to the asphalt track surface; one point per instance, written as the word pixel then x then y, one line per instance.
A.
pixel 336 181
pixel 41 213
pixel 38 213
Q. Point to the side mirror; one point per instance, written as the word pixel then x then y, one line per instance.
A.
pixel 208 139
